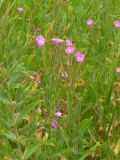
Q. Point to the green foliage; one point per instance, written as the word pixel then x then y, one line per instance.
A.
pixel 31 85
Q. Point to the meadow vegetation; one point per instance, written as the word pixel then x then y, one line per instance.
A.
pixel 59 100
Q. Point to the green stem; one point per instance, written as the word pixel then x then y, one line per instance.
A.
pixel 92 137
pixel 15 126
pixel 110 125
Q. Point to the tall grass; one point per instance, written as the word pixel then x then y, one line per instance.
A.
pixel 31 85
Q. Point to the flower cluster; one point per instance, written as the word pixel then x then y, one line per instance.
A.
pixel 40 40
pixel 57 114
pixel 70 49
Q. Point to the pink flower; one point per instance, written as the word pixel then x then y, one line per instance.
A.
pixel 20 9
pixel 57 40
pixel 68 42
pixel 70 50
pixel 117 24
pixel 64 74
pixel 118 70
pixel 54 123
pixel 40 40
pixel 90 22
pixel 58 114
pixel 79 57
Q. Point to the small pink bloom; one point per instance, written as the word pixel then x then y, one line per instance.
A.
pixel 57 40
pixel 54 123
pixel 90 22
pixel 40 40
pixel 70 50
pixel 68 42
pixel 79 57
pixel 64 74
pixel 118 70
pixel 58 114
pixel 117 24
pixel 20 9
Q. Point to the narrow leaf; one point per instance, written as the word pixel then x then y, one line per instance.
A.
pixel 83 126
pixel 89 151
pixel 29 151
pixel 24 112
pixel 65 136
pixel 10 135
pixel 117 148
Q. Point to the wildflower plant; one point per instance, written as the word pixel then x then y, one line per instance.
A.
pixel 51 53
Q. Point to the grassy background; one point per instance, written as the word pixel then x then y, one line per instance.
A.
pixel 88 98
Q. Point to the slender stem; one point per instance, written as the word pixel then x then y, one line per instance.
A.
pixel 107 134
pixel 18 143
pixel 92 137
